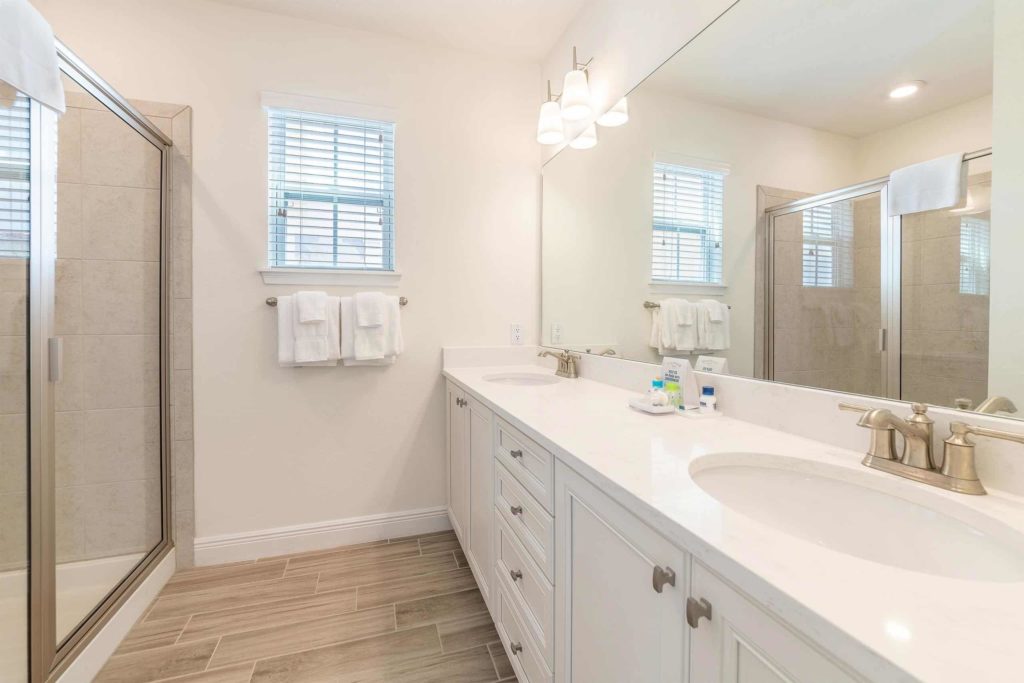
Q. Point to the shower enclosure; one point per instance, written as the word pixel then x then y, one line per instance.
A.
pixel 861 302
pixel 84 481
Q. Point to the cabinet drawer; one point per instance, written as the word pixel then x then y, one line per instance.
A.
pixel 527 586
pixel 533 466
pixel 527 660
pixel 530 523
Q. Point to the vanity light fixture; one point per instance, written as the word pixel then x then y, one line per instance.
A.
pixel 550 130
pixel 586 139
pixel 616 116
pixel 905 90
pixel 576 91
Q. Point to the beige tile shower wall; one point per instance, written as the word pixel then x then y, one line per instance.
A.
pixel 13 436
pixel 945 332
pixel 827 337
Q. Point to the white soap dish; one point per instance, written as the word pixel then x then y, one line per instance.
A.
pixel 640 403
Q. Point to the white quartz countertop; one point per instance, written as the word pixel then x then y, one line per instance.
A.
pixel 883 622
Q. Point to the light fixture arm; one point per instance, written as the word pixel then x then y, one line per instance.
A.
pixel 551 96
pixel 577 65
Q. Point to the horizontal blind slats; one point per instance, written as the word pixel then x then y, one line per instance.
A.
pixel 331 191
pixel 15 176
pixel 688 224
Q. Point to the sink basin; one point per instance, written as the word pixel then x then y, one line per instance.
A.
pixel 891 522
pixel 526 379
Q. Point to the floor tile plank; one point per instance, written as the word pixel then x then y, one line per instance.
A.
pixel 239 673
pixel 462 634
pixel 440 543
pixel 501 662
pixel 415 588
pixel 150 634
pixel 214 577
pixel 157 663
pixel 468 666
pixel 226 597
pixel 350 558
pixel 382 571
pixel 439 608
pixel 304 635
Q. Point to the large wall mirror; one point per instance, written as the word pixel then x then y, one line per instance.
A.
pixel 742 218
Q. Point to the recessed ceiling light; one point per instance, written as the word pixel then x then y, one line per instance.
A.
pixel 905 89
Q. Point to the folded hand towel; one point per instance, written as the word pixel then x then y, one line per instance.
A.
pixel 286 337
pixel 678 330
pixel 311 307
pixel 713 334
pixel 937 184
pixel 381 344
pixel 28 55
pixel 310 338
pixel 370 309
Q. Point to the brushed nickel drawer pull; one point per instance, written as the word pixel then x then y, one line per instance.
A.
pixel 515 647
pixel 516 453
pixel 697 609
pixel 516 510
pixel 515 574
pixel 661 577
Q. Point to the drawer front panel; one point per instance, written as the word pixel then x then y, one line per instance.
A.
pixel 531 524
pixel 526 585
pixel 525 655
pixel 532 465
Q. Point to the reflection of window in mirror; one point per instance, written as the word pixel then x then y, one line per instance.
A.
pixel 974 255
pixel 828 245
pixel 687 245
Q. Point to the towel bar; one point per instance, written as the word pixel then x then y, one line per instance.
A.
pixel 654 304
pixel 272 301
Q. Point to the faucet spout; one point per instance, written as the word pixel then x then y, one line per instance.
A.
pixel 996 404
pixel 917 434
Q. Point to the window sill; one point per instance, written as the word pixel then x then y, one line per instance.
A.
pixel 688 288
pixel 325 276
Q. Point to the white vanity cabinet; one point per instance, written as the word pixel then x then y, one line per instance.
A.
pixel 471 481
pixel 620 592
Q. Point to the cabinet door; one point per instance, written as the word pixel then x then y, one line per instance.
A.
pixel 743 644
pixel 612 625
pixel 458 462
pixel 481 494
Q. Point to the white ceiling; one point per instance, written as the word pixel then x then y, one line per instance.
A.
pixel 830 64
pixel 513 29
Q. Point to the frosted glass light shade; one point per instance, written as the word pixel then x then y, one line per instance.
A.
pixel 616 116
pixel 586 139
pixel 549 126
pixel 575 96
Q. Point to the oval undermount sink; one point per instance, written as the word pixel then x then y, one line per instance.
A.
pixel 530 379
pixel 896 523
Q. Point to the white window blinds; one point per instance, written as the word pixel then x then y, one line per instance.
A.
pixel 828 245
pixel 332 191
pixel 687 244
pixel 974 255
pixel 15 162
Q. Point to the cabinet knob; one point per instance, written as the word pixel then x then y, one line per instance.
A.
pixel 515 574
pixel 516 453
pixel 515 647
pixel 662 576
pixel 516 510
pixel 695 609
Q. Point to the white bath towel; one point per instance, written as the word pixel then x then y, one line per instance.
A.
pixel 310 338
pixel 678 325
pixel 713 325
pixel 391 341
pixel 370 309
pixel 311 307
pixel 655 339
pixel 286 336
pixel 28 56
pixel 937 184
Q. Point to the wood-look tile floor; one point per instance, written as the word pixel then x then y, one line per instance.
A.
pixel 405 610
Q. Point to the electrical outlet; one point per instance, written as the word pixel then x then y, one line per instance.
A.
pixel 517 334
pixel 556 333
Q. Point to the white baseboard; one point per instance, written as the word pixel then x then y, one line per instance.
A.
pixel 98 651
pixel 252 545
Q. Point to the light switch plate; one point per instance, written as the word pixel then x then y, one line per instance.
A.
pixel 517 334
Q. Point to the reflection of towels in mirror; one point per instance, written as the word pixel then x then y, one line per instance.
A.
pixel 678 328
pixel 713 325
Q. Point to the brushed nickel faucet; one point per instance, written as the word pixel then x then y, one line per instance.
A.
pixel 957 471
pixel 566 363
pixel 996 404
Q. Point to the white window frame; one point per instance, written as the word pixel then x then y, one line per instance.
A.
pixel 975 255
pixel 837 241
pixel 278 275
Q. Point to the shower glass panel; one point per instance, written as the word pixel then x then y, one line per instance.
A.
pixel 15 232
pixel 107 423
pixel 945 299
pixel 826 295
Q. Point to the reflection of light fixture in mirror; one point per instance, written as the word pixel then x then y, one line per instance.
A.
pixel 586 139
pixel 550 130
pixel 905 90
pixel 616 116
pixel 576 91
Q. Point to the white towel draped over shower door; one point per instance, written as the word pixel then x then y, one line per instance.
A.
pixel 930 185
pixel 28 56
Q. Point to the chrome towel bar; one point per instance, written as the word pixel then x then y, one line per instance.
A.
pixel 272 301
pixel 654 304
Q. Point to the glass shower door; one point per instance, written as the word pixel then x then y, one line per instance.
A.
pixel 825 293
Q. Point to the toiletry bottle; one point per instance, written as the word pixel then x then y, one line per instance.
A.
pixel 656 396
pixel 672 389
pixel 708 402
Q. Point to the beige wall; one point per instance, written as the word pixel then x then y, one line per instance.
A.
pixel 278 447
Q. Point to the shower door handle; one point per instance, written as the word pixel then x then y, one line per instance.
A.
pixel 55 346
pixel 883 338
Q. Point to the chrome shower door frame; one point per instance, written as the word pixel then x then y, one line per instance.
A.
pixel 48 657
pixel 889 331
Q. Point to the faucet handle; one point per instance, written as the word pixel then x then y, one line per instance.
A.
pixel 958 455
pixel 853 407
pixel 883 439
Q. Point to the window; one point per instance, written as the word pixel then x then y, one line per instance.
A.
pixel 687 245
pixel 332 192
pixel 828 245
pixel 974 255
pixel 15 224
